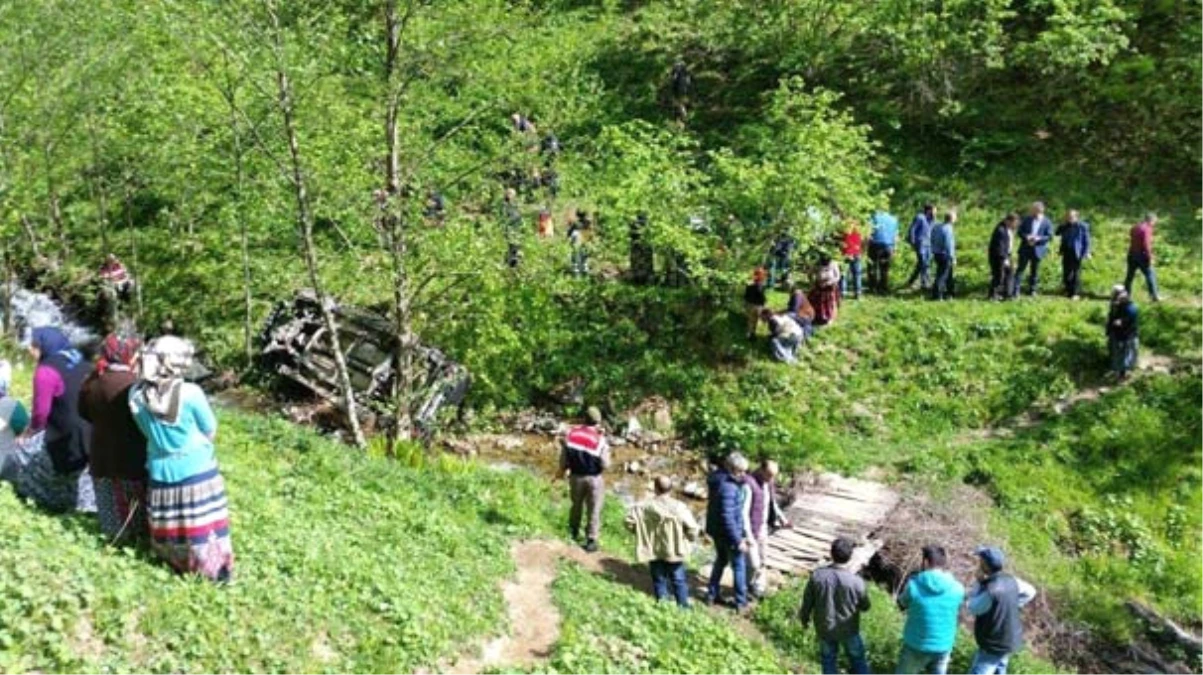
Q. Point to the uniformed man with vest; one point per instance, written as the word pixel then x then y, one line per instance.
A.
pixel 585 455
pixel 995 602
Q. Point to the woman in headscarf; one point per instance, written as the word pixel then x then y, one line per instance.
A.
pixel 50 465
pixel 13 419
pixel 1123 332
pixel 189 516
pixel 825 294
pixel 118 458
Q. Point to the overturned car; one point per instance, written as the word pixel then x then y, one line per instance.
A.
pixel 296 347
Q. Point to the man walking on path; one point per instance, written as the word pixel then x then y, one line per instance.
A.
pixel 764 515
pixel 665 531
pixel 944 252
pixel 994 602
pixel 584 456
pixel 919 238
pixel 1034 234
pixel 724 524
pixel 834 598
pixel 931 600
pixel 882 241
pixel 1140 255
pixel 1075 248
pixel 1122 333
pixel 1002 243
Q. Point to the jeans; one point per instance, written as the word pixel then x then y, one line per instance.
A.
pixel 786 348
pixel 985 663
pixel 922 271
pixel 879 267
pixel 579 259
pixel 665 573
pixel 1027 257
pixel 914 661
pixel 1071 275
pixel 1140 261
pixel 942 289
pixel 779 268
pixel 729 554
pixel 854 647
pixel 855 271
pixel 1124 354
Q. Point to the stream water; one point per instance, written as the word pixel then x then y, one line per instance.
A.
pixel 31 309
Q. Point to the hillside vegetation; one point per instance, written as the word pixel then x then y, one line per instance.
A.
pixel 232 152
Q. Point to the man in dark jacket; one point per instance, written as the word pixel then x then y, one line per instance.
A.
pixel 725 525
pixel 995 602
pixel 834 598
pixel 919 238
pixel 1002 242
pixel 1035 232
pixel 1075 247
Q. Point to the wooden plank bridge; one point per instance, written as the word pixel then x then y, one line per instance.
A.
pixel 828 506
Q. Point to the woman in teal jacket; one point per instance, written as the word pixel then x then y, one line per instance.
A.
pixel 931 600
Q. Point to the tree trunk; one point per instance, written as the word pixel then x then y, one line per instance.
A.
pixel 134 276
pixel 56 214
pixel 33 237
pixel 395 236
pixel 243 236
pixel 99 194
pixel 305 223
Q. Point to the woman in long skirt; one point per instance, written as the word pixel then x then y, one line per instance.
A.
pixel 118 459
pixel 49 465
pixel 825 295
pixel 189 514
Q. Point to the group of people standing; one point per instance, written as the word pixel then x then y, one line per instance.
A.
pixel 1017 246
pixel 835 597
pixel 126 438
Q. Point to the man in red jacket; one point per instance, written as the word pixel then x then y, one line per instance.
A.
pixel 1140 254
pixel 585 454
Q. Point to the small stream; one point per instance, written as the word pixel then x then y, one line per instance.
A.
pixel 32 309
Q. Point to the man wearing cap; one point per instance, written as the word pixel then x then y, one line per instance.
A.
pixel 585 454
pixel 994 602
pixel 1123 332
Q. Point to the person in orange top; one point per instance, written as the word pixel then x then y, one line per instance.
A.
pixel 851 247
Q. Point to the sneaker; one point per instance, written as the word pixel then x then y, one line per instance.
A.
pixel 591 546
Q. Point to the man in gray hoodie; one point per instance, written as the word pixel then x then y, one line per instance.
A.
pixel 834 598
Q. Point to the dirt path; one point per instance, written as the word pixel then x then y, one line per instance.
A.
pixel 1149 363
pixel 533 616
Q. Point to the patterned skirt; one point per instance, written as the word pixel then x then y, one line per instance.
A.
pixel 190 525
pixel 826 301
pixel 121 508
pixel 32 474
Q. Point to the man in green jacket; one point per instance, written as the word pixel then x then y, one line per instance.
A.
pixel 931 600
pixel 665 531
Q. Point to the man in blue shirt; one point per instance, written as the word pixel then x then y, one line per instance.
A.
pixel 882 241
pixel 919 238
pixel 1035 231
pixel 1075 247
pixel 944 252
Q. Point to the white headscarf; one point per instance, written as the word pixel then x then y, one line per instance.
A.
pixel 161 371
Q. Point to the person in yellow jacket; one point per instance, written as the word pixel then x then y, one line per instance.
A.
pixel 665 531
